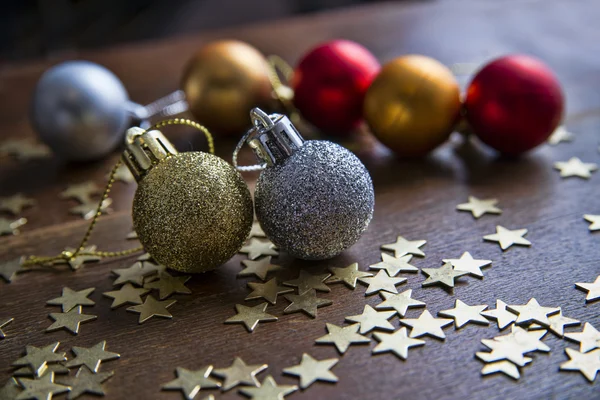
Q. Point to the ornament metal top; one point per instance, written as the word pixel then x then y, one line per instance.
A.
pixel 314 198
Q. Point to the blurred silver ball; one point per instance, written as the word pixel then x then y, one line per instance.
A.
pixel 79 110
pixel 316 203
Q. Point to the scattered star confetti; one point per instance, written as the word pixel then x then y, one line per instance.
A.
pixel 269 390
pixel 445 275
pixel 558 323
pixel 575 168
pixel 91 357
pixel 239 373
pixel 122 174
pixel 586 363
pixel 134 236
pixel 128 294
pixel 9 269
pixel 525 341
pixel 381 282
pixel 464 313
pixel 190 382
pixel 479 207
pixel 25 149
pixel 560 134
pixel 594 221
pixel 588 339
pixel 58 369
pixel 593 289
pixel 11 227
pixel 343 337
pixel 70 298
pixel 87 211
pixel 467 263
pixel 3 324
pixel 426 324
pixel 307 302
pixel 259 268
pixel 533 312
pixel 307 281
pixel 348 275
pixel 256 231
pixel 501 315
pixel 394 265
pixel 506 237
pixel 399 302
pixel 502 350
pixel 10 390
pixel 268 291
pixel 70 320
pixel 403 247
pixel 38 357
pixel 152 308
pixel 41 388
pixel 256 248
pixel 15 204
pixel 397 343
pixel 86 381
pixel 371 319
pixel 311 370
pixel 134 274
pixel 505 367
pixel 251 316
pixel 81 192
pixel 77 262
pixel 168 285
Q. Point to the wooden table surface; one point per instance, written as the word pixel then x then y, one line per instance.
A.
pixel 416 199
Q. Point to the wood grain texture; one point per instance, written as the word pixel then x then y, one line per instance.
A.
pixel 413 198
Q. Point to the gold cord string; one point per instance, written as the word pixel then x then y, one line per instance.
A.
pixel 188 122
pixel 278 68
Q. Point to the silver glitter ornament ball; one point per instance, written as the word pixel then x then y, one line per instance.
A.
pixel 315 198
pixel 79 109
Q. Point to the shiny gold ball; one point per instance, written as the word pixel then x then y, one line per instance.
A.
pixel 223 82
pixel 413 105
pixel 192 212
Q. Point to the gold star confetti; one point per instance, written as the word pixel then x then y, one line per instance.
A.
pixel 575 168
pixel 525 341
pixel 399 302
pixel 501 315
pixel 426 324
pixel 42 388
pixel 464 313
pixel 77 262
pixel 259 268
pixel 257 231
pixel 134 236
pixel 307 281
pixel 38 357
pixel 307 302
pixel 504 350
pixel 505 367
pixel 371 319
pixel 9 269
pixel 267 291
pixel 479 207
pixel 3 324
pixel 239 373
pixel 506 237
pixel 128 294
pixel 168 285
pixel 533 312
pixel 467 263
pixel 190 382
pixel 381 282
pixel 394 265
pixel 11 227
pixel 122 174
pixel 70 320
pixel 343 337
pixel 397 343
pixel 82 192
pixel 86 382
pixel 560 134
pixel 88 210
pixel 402 247
pixel 58 369
pixel 15 204
pixel 70 298
pixel 91 357
pixel 594 221
pixel 10 390
pixel 588 339
pixel 348 275
pixel 593 289
pixel 256 248
pixel 557 323
pixel 445 275
pixel 269 390
pixel 586 363
pixel 311 370
pixel 134 274
pixel 25 149
pixel 152 308
pixel 251 316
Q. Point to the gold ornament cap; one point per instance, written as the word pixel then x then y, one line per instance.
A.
pixel 144 150
pixel 273 138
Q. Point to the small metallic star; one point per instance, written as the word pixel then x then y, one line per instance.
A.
pixel 3 324
pixel 58 369
pixel 134 274
pixel 307 302
pixel 501 315
pixel 134 236
pixel 426 324
pixel 588 339
pixel 257 231
pixel 445 275
pixel 464 313
pixel 70 298
pixel 586 363
pixel 10 227
pixel 152 308
pixel 307 281
pixel 467 263
pixel 594 221
pixel 268 291
pixel 91 357
pixel 506 367
pixel 269 390
pixel 15 204
pixel 343 336
pixel 38 357
pixel 82 257
pixel 560 134
pixel 525 340
pixel 558 323
pixel 533 312
pixel 348 275
pixel 502 350
pixel 311 370
pixel 25 149
pixel 81 192
pixel 87 211
pixel 122 174
pixel 70 320
pixel 593 289
pixel 381 282
pixel 575 167
pixel 371 319
pixel 506 237
pixel 9 269
pixel 399 302
pixel 479 207
pixel 168 285
pixel 190 382
pixel 86 381
pixel 403 247
pixel 259 247
pixel 239 373
pixel 397 343
pixel 42 388
pixel 394 265
pixel 10 390
pixel 259 268
pixel 128 294
pixel 251 316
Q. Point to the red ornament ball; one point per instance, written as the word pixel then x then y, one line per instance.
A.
pixel 514 104
pixel 330 83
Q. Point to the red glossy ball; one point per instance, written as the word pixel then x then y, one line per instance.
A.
pixel 330 83
pixel 514 104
